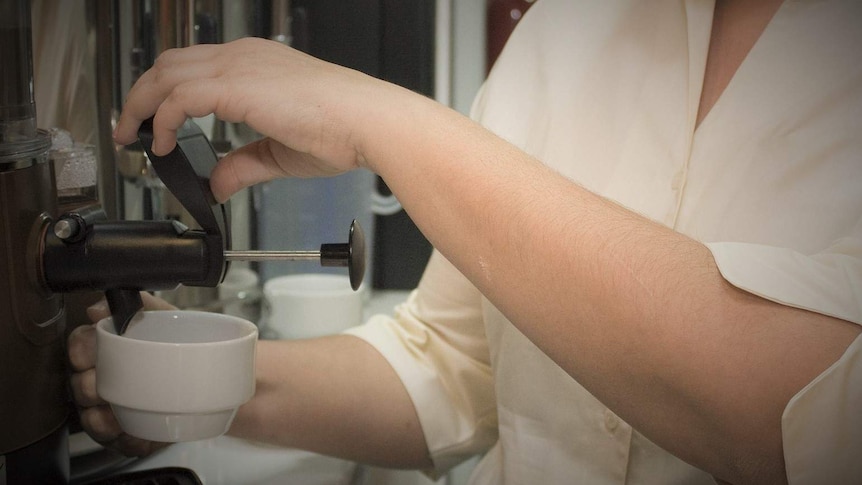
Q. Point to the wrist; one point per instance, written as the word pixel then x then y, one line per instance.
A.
pixel 397 123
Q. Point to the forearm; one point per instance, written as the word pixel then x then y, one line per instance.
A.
pixel 334 395
pixel 638 313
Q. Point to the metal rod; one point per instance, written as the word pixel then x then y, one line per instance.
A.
pixel 272 255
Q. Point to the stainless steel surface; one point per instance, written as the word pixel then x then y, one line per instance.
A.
pixel 281 22
pixel 101 24
pixel 17 107
pixel 24 153
pixel 66 228
pixel 176 24
pixel 253 255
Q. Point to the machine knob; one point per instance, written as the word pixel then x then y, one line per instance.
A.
pixel 67 229
pixel 351 254
pixel 73 226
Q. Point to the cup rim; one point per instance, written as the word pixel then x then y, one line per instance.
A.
pixel 300 284
pixel 106 329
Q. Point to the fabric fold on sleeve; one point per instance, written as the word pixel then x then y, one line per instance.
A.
pixel 829 282
pixel 436 344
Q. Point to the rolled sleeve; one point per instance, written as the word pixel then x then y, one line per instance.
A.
pixel 822 423
pixel 829 282
pixel 436 344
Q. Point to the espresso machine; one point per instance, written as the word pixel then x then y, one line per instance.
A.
pixel 49 250
pixel 33 407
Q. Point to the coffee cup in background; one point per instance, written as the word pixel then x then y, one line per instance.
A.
pixel 303 213
pixel 309 305
pixel 176 375
pixel 240 293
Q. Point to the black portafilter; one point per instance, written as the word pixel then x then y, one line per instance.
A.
pixel 84 251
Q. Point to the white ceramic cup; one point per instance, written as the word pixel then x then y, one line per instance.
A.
pixel 310 305
pixel 176 375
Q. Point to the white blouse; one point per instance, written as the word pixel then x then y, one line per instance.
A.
pixel 607 94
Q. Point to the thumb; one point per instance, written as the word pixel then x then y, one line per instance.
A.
pixel 248 165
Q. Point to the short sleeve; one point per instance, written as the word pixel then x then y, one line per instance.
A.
pixel 822 423
pixel 436 344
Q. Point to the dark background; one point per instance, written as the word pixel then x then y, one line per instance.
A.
pixel 391 40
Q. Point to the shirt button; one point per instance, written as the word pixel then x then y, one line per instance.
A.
pixel 611 420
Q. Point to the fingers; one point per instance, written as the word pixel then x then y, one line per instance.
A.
pixel 84 389
pixel 98 311
pixel 192 99
pixel 245 166
pixel 311 129
pixel 225 79
pixel 152 302
pixel 261 161
pixel 82 357
pixel 96 416
pixel 173 68
pixel 82 340
pixel 82 348
pixel 100 423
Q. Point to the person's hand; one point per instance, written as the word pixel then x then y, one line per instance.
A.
pixel 311 112
pixel 96 416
